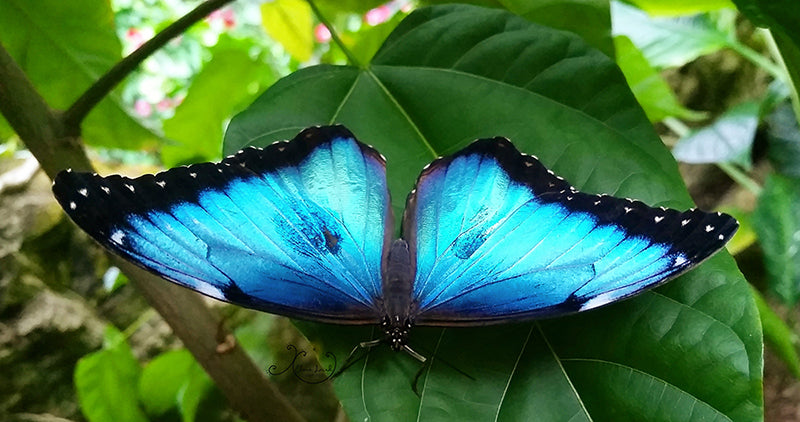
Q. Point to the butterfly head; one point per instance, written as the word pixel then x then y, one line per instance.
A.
pixel 396 330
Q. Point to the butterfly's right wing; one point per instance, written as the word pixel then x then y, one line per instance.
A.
pixel 497 237
pixel 297 228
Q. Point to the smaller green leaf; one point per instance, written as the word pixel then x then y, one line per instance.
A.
pixel 681 7
pixel 650 89
pixel 162 380
pixel 778 334
pixel 106 382
pixel 783 134
pixel 728 139
pixel 225 85
pixel 776 220
pixel 289 23
pixel 197 386
pixel 668 42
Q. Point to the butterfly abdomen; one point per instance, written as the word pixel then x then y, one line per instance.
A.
pixel 398 304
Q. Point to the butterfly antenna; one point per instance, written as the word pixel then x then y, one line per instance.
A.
pixel 426 365
pixel 350 361
pixel 453 367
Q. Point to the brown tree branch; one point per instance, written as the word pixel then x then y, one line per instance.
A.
pixel 85 103
pixel 33 120
pixel 45 133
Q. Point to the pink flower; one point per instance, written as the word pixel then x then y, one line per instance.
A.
pixel 165 104
pixel 378 15
pixel 225 17
pixel 322 34
pixel 135 38
pixel 142 108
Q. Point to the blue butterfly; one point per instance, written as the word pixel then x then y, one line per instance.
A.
pixel 304 229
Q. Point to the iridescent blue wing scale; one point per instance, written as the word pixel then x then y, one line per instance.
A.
pixel 297 228
pixel 498 237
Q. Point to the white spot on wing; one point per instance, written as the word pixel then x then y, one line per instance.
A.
pixel 208 290
pixel 84 192
pixel 599 300
pixel 130 187
pixel 628 209
pixel 658 218
pixel 105 189
pixel 161 183
pixel 709 228
pixel 117 237
pixel 685 222
pixel 679 260
pixel 72 205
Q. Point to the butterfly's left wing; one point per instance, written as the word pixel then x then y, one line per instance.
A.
pixel 297 228
pixel 497 237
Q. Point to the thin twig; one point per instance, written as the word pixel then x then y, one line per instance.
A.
pixel 336 39
pixel 73 117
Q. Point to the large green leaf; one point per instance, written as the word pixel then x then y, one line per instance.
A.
pixel 776 220
pixel 591 19
pixel 448 75
pixel 64 47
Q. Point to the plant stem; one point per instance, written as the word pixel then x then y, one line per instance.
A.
pixel 760 61
pixel 350 57
pixel 740 177
pixel 73 117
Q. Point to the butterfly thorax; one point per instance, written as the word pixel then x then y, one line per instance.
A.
pixel 398 305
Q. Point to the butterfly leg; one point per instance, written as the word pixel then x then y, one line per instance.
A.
pixel 350 361
pixel 414 354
